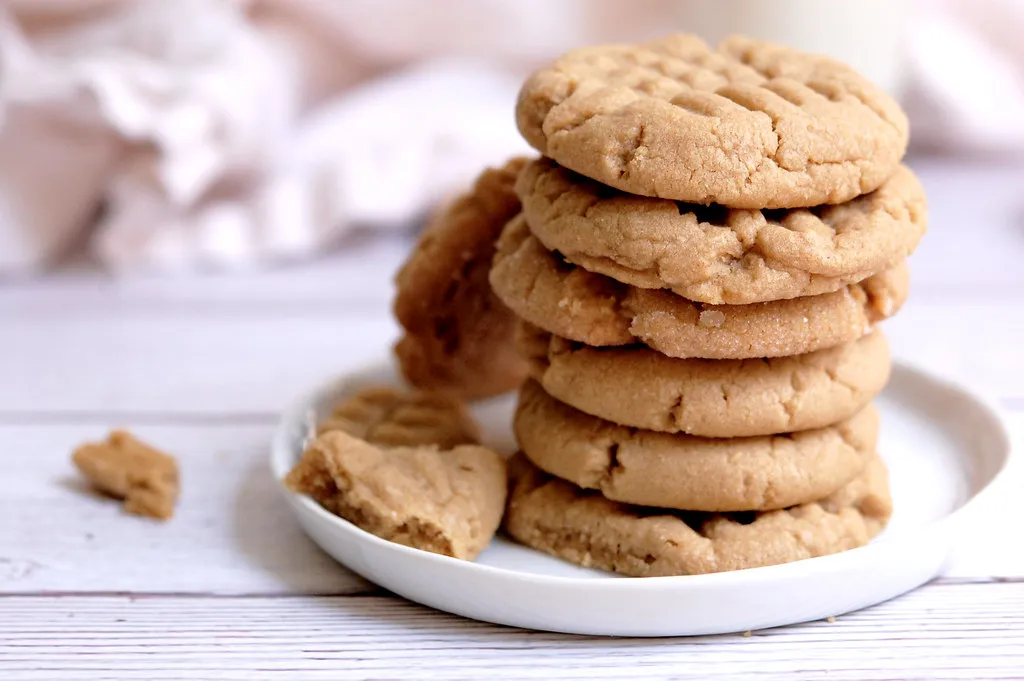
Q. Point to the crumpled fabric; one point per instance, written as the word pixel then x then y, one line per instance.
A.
pixel 232 133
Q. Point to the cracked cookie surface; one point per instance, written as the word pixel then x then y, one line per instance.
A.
pixel 747 125
pixel 457 333
pixel 590 308
pixel 585 528
pixel 717 255
pixel 443 501
pixel 399 418
pixel 638 387
pixel 686 472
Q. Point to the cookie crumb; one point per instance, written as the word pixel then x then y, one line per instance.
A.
pixel 747 634
pixel 127 468
pixel 831 619
pixel 712 318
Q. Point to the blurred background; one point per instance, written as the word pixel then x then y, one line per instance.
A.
pixel 159 136
pixel 203 203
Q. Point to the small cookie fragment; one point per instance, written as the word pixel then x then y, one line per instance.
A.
pixel 447 502
pixel 458 334
pixel 636 386
pixel 127 468
pixel 596 310
pixel 718 255
pixel 748 124
pixel 389 417
pixel 587 529
pixel 686 472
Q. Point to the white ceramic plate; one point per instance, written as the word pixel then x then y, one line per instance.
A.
pixel 944 447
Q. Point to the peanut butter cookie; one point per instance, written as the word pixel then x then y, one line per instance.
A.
pixel 585 528
pixel 397 418
pixel 717 255
pixel 747 125
pixel 686 472
pixel 458 335
pixel 596 310
pixel 638 387
pixel 448 502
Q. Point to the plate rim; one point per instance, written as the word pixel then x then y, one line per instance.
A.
pixel 296 410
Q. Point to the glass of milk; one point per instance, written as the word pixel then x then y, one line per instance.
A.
pixel 866 34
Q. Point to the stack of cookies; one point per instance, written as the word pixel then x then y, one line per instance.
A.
pixel 701 258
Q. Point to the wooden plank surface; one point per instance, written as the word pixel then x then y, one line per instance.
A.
pixel 232 533
pixel 949 632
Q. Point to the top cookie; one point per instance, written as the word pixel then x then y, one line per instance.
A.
pixel 458 334
pixel 717 255
pixel 747 125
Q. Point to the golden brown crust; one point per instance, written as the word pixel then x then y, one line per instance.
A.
pixel 589 308
pixel 638 387
pixel 127 468
pixel 691 473
pixel 458 335
pixel 390 417
pixel 448 502
pixel 717 255
pixel 587 529
pixel 747 125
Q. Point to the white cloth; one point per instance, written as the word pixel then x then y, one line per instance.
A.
pixel 228 133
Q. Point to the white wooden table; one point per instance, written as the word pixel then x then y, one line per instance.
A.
pixel 231 589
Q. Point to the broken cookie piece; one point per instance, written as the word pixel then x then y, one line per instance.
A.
pixel 126 468
pixel 396 418
pixel 447 502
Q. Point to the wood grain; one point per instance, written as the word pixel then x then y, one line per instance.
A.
pixel 966 632
pixel 232 532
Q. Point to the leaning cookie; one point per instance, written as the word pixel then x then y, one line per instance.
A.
pixel 587 529
pixel 390 417
pixel 747 125
pixel 458 334
pixel 717 255
pixel 443 501
pixel 596 310
pixel 638 387
pixel 686 472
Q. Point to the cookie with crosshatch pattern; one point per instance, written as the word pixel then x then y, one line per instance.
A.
pixel 641 388
pixel 392 417
pixel 719 255
pixel 748 124
pixel 545 290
